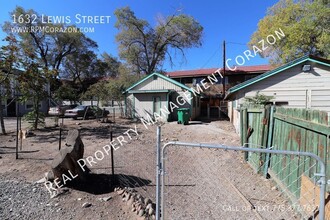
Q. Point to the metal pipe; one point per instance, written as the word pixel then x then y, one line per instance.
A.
pixel 17 125
pixel 322 180
pixel 158 173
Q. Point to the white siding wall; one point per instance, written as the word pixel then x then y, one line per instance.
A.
pixel 157 84
pixel 299 89
pixel 144 104
pixel 320 99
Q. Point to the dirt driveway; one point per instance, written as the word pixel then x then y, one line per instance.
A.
pixel 135 167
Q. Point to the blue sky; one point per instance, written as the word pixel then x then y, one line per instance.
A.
pixel 233 21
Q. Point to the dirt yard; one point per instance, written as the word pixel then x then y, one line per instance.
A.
pixel 226 177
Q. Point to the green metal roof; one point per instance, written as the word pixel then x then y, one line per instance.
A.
pixel 161 76
pixel 276 71
pixel 149 91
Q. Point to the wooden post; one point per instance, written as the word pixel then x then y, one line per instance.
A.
pixel 60 138
pixel 17 127
pixel 20 134
pixel 111 152
pixel 269 138
pixel 244 131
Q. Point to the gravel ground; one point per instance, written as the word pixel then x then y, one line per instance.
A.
pixel 135 165
pixel 22 200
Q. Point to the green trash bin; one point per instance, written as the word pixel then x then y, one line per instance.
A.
pixel 183 115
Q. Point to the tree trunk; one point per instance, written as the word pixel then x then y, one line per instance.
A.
pixel 36 109
pixel 3 130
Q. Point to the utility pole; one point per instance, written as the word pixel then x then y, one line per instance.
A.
pixel 224 71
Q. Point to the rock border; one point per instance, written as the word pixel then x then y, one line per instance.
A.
pixel 142 207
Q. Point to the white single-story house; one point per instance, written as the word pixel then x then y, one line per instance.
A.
pixel 159 94
pixel 302 83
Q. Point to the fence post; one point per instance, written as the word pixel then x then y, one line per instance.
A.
pixel 114 181
pixel 114 114
pixel 269 139
pixel 158 173
pixel 17 126
pixel 60 138
pixel 244 131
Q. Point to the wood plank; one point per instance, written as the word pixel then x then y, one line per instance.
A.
pixel 310 197
pixel 310 125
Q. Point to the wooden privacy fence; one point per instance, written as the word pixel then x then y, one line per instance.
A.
pixel 286 129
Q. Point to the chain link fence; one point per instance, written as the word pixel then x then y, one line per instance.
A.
pixel 134 160
pixel 202 181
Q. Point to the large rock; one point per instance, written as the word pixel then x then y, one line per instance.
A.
pixel 66 161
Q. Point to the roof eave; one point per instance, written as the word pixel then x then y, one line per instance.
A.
pixel 273 72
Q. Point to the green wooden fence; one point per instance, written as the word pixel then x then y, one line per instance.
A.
pixel 285 129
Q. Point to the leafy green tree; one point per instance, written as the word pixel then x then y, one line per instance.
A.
pixel 110 65
pixel 306 28
pixel 82 67
pixel 8 60
pixel 77 66
pixel 145 48
pixel 67 92
pixel 99 91
pixel 40 51
pixel 257 100
pixel 117 86
pixel 33 87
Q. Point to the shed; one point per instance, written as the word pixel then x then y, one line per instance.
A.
pixel 302 83
pixel 158 94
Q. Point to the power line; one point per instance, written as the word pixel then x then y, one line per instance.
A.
pixel 212 56
pixel 236 43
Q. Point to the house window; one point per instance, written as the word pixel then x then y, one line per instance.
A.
pixel 29 105
pixel 156 104
pixel 155 77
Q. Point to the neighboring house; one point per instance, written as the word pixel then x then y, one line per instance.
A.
pixel 155 93
pixel 11 106
pixel 211 99
pixel 232 77
pixel 302 83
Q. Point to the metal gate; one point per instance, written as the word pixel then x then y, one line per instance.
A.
pixel 208 181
